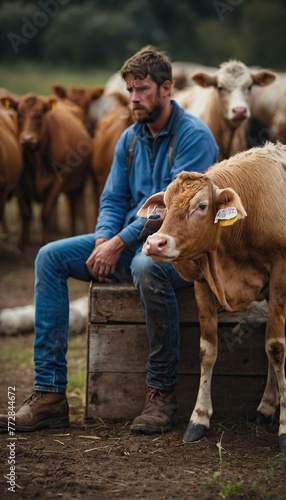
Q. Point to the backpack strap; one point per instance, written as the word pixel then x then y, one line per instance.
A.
pixel 130 151
pixel 181 113
pixel 172 150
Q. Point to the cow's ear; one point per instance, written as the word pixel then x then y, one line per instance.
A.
pixel 156 200
pixel 229 207
pixel 50 104
pixel 60 91
pixel 263 78
pixel 204 80
pixel 97 92
pixel 9 103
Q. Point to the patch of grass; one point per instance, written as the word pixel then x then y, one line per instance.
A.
pixel 76 363
pixel 227 488
pixel 77 376
pixel 228 484
pixel 23 77
pixel 268 475
pixel 17 352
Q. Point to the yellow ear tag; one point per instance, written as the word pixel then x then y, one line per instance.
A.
pixel 7 104
pixel 228 222
pixel 226 216
pixel 53 105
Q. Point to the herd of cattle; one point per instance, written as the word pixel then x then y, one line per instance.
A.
pixel 224 230
pixel 57 144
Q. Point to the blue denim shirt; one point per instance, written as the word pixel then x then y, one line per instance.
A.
pixel 125 192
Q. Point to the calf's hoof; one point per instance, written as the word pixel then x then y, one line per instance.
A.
pixel 262 419
pixel 282 442
pixel 194 432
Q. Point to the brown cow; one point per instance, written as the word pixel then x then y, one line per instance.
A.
pixel 90 100
pixel 11 162
pixel 222 101
pixel 231 257
pixel 107 132
pixel 57 156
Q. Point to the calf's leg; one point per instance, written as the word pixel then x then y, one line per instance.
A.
pixel 275 349
pixel 200 419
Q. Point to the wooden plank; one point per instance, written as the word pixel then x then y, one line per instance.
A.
pixel 122 395
pixel 120 303
pixel 124 348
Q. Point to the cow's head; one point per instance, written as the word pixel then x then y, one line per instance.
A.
pixel 31 110
pixel 233 82
pixel 91 101
pixel 82 96
pixel 195 211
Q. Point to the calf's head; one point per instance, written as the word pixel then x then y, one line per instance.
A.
pixel 195 211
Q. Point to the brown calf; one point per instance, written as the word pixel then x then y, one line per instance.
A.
pixel 226 231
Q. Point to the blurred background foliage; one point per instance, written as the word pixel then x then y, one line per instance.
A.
pixel 100 34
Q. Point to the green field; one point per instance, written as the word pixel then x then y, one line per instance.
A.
pixel 26 77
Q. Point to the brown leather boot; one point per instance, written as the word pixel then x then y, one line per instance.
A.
pixel 41 409
pixel 158 415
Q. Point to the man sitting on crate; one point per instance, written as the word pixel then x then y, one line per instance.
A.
pixel 163 141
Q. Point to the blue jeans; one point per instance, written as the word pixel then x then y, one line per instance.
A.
pixel 59 260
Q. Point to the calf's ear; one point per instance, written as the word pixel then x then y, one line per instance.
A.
pixel 230 207
pixel 156 200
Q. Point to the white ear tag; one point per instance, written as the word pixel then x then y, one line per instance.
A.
pixel 156 212
pixel 225 214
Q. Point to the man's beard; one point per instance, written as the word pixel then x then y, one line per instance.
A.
pixel 150 116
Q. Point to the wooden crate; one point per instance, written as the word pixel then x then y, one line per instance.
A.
pixel 118 350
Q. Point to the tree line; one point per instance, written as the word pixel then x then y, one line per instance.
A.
pixel 103 33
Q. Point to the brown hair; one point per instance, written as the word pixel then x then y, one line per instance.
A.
pixel 148 61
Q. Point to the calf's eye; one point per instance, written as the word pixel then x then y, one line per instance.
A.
pixel 202 206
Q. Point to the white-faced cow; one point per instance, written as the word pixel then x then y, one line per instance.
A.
pixel 226 231
pixel 222 101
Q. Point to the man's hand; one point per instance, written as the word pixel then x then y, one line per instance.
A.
pixel 102 261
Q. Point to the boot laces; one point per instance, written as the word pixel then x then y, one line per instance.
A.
pixel 152 393
pixel 35 396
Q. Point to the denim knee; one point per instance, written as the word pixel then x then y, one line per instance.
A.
pixel 42 255
pixel 146 273
pixel 45 257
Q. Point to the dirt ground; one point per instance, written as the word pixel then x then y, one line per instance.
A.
pixel 100 459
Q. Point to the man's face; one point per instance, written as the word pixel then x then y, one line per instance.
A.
pixel 146 99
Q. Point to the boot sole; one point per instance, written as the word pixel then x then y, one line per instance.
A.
pixel 141 429
pixel 59 423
